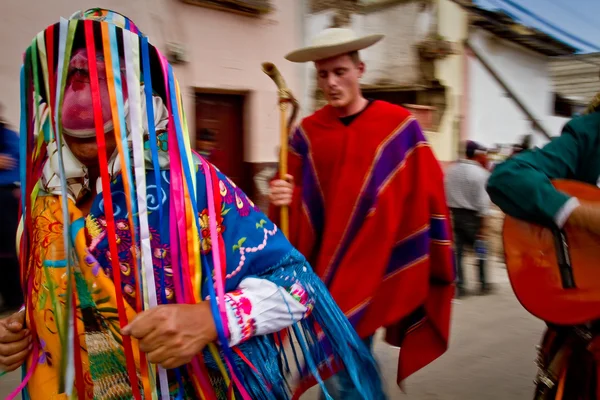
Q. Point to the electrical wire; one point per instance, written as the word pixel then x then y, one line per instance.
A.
pixel 581 60
pixel 549 24
pixel 576 13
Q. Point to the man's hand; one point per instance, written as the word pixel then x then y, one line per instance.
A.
pixel 7 162
pixel 586 216
pixel 15 342
pixel 281 191
pixel 172 335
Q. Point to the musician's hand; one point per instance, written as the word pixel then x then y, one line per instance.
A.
pixel 172 335
pixel 281 191
pixel 15 342
pixel 586 216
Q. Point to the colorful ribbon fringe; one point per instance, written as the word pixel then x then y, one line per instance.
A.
pixel 185 225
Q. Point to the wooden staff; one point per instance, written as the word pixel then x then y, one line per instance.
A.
pixel 285 97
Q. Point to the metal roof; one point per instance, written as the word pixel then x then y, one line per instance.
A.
pixel 503 26
pixel 577 76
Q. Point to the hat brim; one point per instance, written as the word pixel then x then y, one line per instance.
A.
pixel 316 53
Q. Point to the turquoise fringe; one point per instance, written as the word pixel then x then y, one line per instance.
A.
pixel 341 341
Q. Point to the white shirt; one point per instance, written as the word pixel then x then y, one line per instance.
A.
pixel 465 183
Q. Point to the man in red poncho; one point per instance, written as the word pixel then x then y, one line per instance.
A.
pixel 367 208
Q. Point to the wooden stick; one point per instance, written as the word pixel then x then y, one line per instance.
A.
pixel 283 166
pixel 285 98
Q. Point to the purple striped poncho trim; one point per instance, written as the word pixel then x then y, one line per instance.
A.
pixel 391 156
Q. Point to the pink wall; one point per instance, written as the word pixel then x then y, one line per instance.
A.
pixel 224 50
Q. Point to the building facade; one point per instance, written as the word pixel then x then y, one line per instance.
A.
pixel 576 78
pixel 510 93
pixel 576 81
pixel 418 64
pixel 216 48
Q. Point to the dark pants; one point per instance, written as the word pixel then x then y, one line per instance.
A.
pixel 10 282
pixel 466 226
pixel 340 386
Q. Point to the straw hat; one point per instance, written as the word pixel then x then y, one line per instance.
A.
pixel 332 42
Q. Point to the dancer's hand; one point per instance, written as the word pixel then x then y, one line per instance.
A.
pixel 281 191
pixel 172 335
pixel 15 342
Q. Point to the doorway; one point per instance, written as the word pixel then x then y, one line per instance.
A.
pixel 220 135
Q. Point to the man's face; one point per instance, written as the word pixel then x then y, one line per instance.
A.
pixel 339 79
pixel 78 108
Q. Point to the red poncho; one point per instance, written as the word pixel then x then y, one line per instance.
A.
pixel 369 213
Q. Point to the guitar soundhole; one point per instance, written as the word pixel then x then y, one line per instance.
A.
pixel 563 259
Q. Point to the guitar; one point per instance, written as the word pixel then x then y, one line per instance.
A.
pixel 554 273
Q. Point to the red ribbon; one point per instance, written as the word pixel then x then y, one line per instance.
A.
pixel 108 206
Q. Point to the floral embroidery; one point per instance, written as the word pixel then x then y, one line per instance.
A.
pixel 123 237
pixel 242 308
pixel 243 207
pixel 93 227
pixel 300 294
pixel 125 268
pixel 94 231
pixel 226 193
pixel 205 240
pixel 129 290
pixel 101 256
pixel 50 321
pixel 45 355
pixel 46 231
pixel 230 194
pixel 92 262
pixel 243 250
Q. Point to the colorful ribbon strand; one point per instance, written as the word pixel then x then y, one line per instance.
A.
pixel 98 120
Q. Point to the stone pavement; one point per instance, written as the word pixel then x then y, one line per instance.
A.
pixel 491 352
pixel 491 355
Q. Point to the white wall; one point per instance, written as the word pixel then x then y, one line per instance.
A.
pixel 555 124
pixel 225 51
pixel 394 59
pixel 493 117
pixel 314 23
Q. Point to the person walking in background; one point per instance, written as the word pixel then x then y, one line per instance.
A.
pixel 468 200
pixel 10 284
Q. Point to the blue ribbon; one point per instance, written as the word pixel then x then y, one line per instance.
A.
pixel 116 67
pixel 187 171
pixel 156 165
